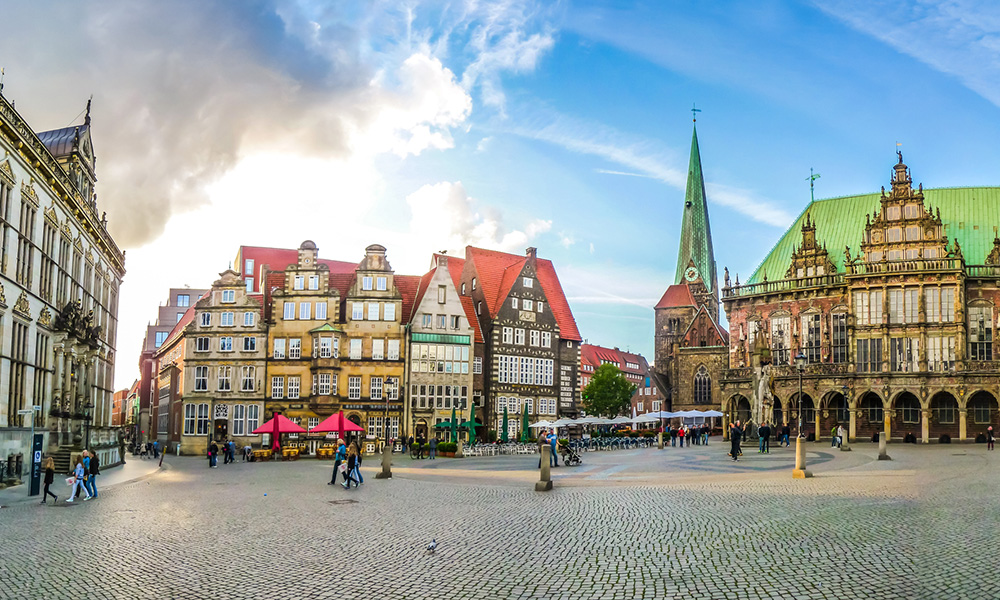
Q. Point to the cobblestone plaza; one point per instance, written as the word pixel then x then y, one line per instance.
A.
pixel 628 524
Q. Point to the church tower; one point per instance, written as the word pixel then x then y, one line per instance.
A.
pixel 695 257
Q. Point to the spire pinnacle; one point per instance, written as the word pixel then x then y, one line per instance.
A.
pixel 695 257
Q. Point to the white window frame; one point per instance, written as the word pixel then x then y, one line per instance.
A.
pixel 294 348
pixel 227 320
pixel 389 313
pixel 289 311
pixel 357 311
pixel 375 388
pixel 321 311
pixel 355 348
pixel 381 283
pixel 248 319
pixel 305 311
pixel 206 319
pixel 373 311
pixel 201 344
pixel 228 296
pixel 279 349
pixel 393 353
pixel 249 343
pixel 294 387
pixel 354 387
pixel 248 378
pixel 378 349
pixel 277 387
pixel 201 379
pixel 225 382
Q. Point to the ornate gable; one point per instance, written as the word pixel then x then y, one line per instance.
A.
pixel 28 192
pixel 7 173
pixel 904 228
pixel 810 259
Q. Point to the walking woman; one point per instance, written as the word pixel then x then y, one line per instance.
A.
pixel 357 468
pixel 339 459
pixel 735 436
pixel 989 437
pixel 50 473
pixel 79 480
pixel 352 465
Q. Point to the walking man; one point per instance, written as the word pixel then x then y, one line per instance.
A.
pixel 432 453
pixel 735 436
pixel 95 470
pixel 785 432
pixel 553 441
pixel 765 437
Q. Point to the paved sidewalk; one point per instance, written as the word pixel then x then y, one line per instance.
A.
pixel 134 469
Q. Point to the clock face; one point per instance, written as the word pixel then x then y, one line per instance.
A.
pixel 691 274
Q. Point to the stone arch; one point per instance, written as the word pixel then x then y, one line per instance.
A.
pixel 779 415
pixel 702 385
pixel 738 408
pixel 944 417
pixel 981 413
pixel 871 415
pixel 906 413
pixel 808 416
pixel 836 411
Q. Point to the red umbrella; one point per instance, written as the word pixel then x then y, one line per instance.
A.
pixel 278 425
pixel 336 422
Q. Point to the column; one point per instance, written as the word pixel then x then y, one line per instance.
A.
pixel 818 412
pixel 853 428
pixel 962 423
pixel 69 394
pixel 58 368
pixel 887 418
pixel 925 418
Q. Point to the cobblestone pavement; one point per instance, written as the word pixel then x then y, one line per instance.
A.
pixel 641 524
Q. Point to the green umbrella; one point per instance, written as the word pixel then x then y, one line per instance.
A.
pixel 443 425
pixel 503 432
pixel 524 424
pixel 454 425
pixel 472 425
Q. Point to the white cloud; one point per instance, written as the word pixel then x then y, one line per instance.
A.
pixel 566 240
pixel 484 144
pixel 591 247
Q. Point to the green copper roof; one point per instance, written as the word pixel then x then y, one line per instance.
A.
pixel 969 215
pixel 696 235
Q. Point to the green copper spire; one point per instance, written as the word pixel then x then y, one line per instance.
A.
pixel 696 235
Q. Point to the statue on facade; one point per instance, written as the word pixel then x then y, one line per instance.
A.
pixel 763 397
pixel 67 318
pixel 726 278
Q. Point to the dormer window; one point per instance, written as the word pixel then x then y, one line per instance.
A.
pixel 299 282
pixel 380 283
pixel 366 283
pixel 912 233
pixel 911 211
pixel 473 284
pixel 528 282
pixel 894 234
pixel 892 213
pixel 228 296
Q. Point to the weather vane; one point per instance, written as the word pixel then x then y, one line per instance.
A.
pixel 812 179
pixel 694 113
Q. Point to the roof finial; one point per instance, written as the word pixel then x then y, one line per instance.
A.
pixel 812 178
pixel 1 80
pixel 86 120
pixel 694 113
pixel 899 153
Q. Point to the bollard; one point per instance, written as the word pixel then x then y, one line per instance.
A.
pixel 659 440
pixel 800 471
pixel 544 483
pixel 386 472
pixel 882 455
pixel 458 450
pixel 845 446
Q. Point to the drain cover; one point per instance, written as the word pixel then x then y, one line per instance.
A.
pixel 342 501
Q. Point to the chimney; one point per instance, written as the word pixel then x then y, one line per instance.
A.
pixel 531 252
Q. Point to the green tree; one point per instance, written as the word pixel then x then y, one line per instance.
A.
pixel 608 393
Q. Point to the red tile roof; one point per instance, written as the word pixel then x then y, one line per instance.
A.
pixel 455 267
pixel 676 296
pixel 277 259
pixel 593 355
pixel 498 271
pixel 407 286
pixel 425 280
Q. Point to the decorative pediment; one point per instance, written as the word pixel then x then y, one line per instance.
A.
pixel 67 231
pixel 45 318
pixel 7 172
pixel 810 259
pixel 52 216
pixel 994 256
pixel 89 256
pixel 22 307
pixel 3 298
pixel 28 192
pixel 78 242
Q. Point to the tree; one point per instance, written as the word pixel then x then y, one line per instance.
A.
pixel 608 392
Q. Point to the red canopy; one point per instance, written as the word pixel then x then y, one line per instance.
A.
pixel 284 425
pixel 336 422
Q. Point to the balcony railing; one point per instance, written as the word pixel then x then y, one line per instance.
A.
pixel 784 285
pixel 905 266
pixel 983 271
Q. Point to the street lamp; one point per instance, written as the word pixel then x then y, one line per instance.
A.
pixel 800 471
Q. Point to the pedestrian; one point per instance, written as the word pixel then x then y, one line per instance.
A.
pixel 432 452
pixel 420 446
pixel 673 437
pixel 785 432
pixel 553 442
pixel 833 436
pixel 352 465
pixel 680 435
pixel 213 456
pixel 79 480
pixel 735 435
pixel 156 449
pixel 144 450
pixel 85 456
pixel 339 457
pixel 765 437
pixel 247 452
pixel 50 474
pixel 705 430
pixel 989 437
pixel 94 471
pixel 840 435
pixel 409 443
pixel 357 470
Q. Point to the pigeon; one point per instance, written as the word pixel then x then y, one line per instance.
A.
pixel 431 547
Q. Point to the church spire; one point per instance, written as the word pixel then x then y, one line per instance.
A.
pixel 696 235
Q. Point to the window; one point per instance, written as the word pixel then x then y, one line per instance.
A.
pixel 780 340
pixel 325 347
pixel 206 319
pixel 508 335
pixel 535 338
pixel 239 419
pixel 305 311
pixel 911 299
pixel 353 388
pixel 839 338
pixel 366 282
pixel 393 350
pixel 294 348
pixel 519 336
pixel 249 284
pixel 479 307
pixel 528 304
pixel 248 319
pixel 869 355
pixel 527 282
pixel 442 321
pixel 896 306
pixel 161 336
pixel 903 354
pixel 253 417
pixel 373 311
pixel 912 233
pixel 981 332
pixel 229 296
pixel 358 311
pixel 248 266
pixel 894 234
pixel 227 319
pixel 892 213
pixel 355 348
pixel 868 307
pixel 375 388
pixel 442 294
pixel 546 339
pixel 294 383
pixel 389 312
pixel 249 343
pixel 201 344
pixel 513 303
pixel 179 317
pixel 279 348
pixel 183 300
pixel 201 379
pixel 426 320
pixel 540 305
pixel 941 353
pixel 702 386
pixel 25 245
pixel 225 378
pixel 378 349
pixel 248 379
pixel 456 321
pixel 323 389
pixel 190 419
pixel 380 283
pixel 980 411
pixel 895 255
pixel 321 311
pixel 473 284
pixel 811 338
pixel 945 414
pixel 277 387
pixel 313 422
pixel 939 304
pixel 203 423
pixel 314 282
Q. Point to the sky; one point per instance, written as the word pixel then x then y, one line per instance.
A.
pixel 430 125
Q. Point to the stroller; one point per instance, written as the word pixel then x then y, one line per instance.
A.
pixel 570 456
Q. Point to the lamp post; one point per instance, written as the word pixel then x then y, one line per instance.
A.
pixel 800 471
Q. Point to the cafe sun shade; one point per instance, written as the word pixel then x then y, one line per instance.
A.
pixel 336 422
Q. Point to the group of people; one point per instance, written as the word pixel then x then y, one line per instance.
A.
pixel 688 434
pixel 549 438
pixel 228 450
pixel 347 462
pixel 146 449
pixel 85 472
pixel 738 432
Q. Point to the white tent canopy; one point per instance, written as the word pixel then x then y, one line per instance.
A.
pixel 540 424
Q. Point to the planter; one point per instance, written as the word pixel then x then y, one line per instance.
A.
pixel 447 454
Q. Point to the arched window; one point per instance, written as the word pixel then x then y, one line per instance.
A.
pixel 702 386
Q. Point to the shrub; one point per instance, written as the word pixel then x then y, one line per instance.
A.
pixel 944 439
pixel 447 447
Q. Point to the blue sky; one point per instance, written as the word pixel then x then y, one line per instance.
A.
pixel 563 125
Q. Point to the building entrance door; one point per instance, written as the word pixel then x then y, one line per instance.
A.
pixel 221 429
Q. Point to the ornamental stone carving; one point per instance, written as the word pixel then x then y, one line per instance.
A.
pixel 21 306
pixel 45 318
